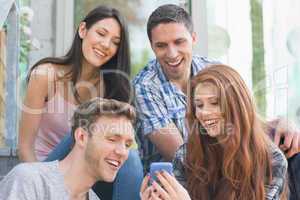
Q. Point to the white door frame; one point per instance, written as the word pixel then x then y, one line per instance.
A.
pixel 64 26
pixel 199 15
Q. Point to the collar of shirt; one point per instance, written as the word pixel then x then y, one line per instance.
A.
pixel 167 83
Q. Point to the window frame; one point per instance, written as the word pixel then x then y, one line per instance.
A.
pixel 12 62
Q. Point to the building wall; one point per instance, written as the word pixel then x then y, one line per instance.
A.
pixel 43 29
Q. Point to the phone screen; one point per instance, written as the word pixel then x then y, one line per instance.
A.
pixel 160 166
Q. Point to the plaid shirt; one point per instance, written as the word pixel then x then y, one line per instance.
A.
pixel 273 189
pixel 158 102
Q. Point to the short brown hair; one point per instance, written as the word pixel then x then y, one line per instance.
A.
pixel 169 13
pixel 88 112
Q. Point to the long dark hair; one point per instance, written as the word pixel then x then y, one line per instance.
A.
pixel 115 72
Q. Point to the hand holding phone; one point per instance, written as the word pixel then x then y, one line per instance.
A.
pixel 169 188
pixel 160 166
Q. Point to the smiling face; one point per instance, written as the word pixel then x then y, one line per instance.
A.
pixel 100 42
pixel 172 44
pixel 108 146
pixel 208 108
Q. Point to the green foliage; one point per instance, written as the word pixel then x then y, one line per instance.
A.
pixel 258 53
pixel 24 2
pixel 138 65
pixel 4 27
pixel 25 32
pixel 128 8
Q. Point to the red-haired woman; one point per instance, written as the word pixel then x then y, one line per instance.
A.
pixel 228 155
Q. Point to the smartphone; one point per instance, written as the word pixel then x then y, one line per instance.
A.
pixel 159 166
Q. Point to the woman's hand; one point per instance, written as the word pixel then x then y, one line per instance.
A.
pixel 168 189
pixel 145 192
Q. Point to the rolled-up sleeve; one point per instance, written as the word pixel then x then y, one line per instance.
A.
pixel 279 175
pixel 178 164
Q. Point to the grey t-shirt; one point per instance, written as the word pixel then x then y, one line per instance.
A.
pixel 36 181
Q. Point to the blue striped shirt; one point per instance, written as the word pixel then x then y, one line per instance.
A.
pixel 158 103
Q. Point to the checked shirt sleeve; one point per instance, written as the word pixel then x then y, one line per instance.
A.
pixel 152 113
pixel 178 164
pixel 279 175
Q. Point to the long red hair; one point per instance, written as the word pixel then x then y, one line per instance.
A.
pixel 239 166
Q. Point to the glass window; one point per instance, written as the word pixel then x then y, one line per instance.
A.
pixel 9 49
pixel 261 39
pixel 15 42
pixel 282 44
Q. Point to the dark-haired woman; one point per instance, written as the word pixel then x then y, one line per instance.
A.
pixel 97 65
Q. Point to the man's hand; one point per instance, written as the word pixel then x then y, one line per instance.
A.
pixel 289 134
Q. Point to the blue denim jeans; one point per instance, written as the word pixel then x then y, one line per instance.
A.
pixel 127 183
pixel 294 177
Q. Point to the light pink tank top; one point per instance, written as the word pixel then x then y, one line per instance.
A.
pixel 54 125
